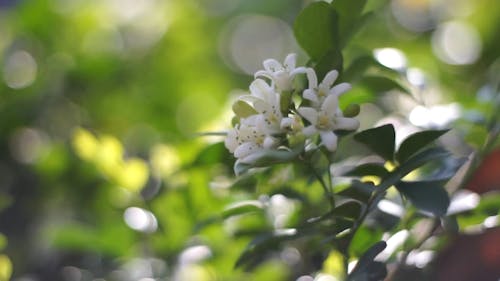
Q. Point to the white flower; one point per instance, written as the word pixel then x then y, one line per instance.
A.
pixel 246 139
pixel 327 119
pixel 281 74
pixel 318 93
pixel 267 103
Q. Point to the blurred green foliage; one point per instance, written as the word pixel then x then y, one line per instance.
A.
pixel 102 171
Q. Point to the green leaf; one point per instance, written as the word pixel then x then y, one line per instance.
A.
pixel 212 154
pixel 261 244
pixel 358 190
pixel 368 169
pixel 243 109
pixel 350 209
pixel 243 207
pixel 416 142
pixel 349 12
pixel 380 84
pixel 265 158
pixel 316 30
pixel 367 269
pixel 380 140
pixel 331 60
pixel 428 196
pixel 413 163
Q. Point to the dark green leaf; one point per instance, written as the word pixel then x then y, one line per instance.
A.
pixel 450 224
pixel 380 140
pixel 358 190
pixel 212 154
pixel 367 269
pixel 415 142
pixel 428 196
pixel 349 12
pixel 316 30
pixel 358 67
pixel 331 60
pixel 413 163
pixel 350 209
pixel 257 248
pixel 368 169
pixel 380 84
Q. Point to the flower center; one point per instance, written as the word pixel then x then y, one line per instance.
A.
pixel 324 121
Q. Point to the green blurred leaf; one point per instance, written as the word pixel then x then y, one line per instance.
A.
pixel 352 110
pixel 428 196
pixel 331 60
pixel 3 241
pixel 212 154
pixel 380 84
pixel 368 169
pixel 350 209
pixel 380 140
pixel 316 30
pixel 5 268
pixel 349 12
pixel 242 207
pixel 367 269
pixel 416 142
pixel 358 190
pixel 262 243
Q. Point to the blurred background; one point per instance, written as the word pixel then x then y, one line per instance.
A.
pixel 103 175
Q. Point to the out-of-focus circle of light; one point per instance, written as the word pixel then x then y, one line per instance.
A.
pixel 249 39
pixel 140 220
pixel 416 77
pixel 435 116
pixel 19 70
pixel 414 15
pixel 456 43
pixel 305 278
pixel 26 145
pixel 391 58
pixel 71 273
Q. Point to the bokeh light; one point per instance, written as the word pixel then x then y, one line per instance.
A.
pixel 456 43
pixel 19 70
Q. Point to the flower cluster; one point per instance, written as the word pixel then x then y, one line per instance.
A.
pixel 268 118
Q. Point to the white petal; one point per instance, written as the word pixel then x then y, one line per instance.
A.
pixel 261 106
pixel 245 149
pixel 329 139
pixel 310 94
pixel 330 78
pixel 263 73
pixel 230 142
pixel 339 89
pixel 298 70
pixel 344 123
pixel 290 61
pixel 309 113
pixel 312 78
pixel 269 142
pixel 330 105
pixel 286 122
pixel 310 130
pixel 272 65
pixel 260 88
